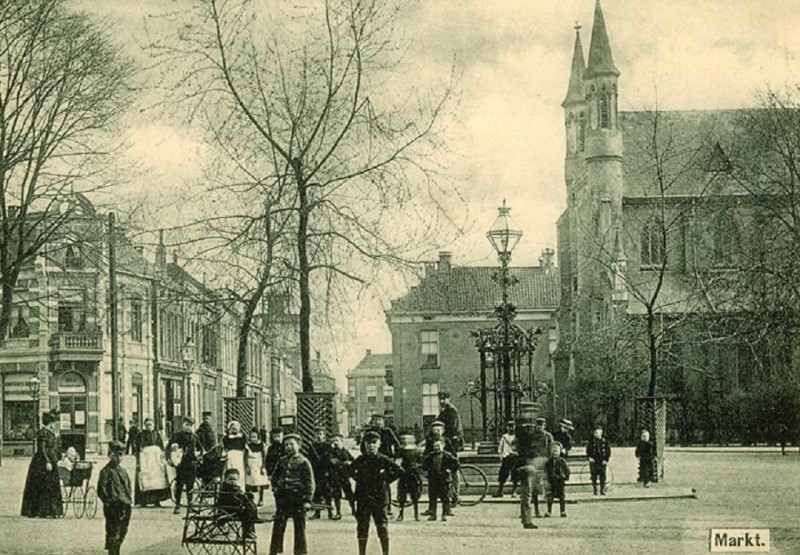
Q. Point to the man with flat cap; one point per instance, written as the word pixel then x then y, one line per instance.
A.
pixel 533 449
pixel 186 441
pixel 206 434
pixel 448 414
pixel 114 490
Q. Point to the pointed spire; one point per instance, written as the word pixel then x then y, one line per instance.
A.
pixel 600 60
pixel 575 89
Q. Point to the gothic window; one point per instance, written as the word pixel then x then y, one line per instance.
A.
pixel 136 319
pixel 652 247
pixel 72 256
pixel 725 239
pixel 582 133
pixel 605 116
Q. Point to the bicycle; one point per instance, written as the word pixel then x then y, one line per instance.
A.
pixel 472 486
pixel 583 477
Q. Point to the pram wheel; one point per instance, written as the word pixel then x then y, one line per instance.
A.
pixel 78 502
pixel 91 502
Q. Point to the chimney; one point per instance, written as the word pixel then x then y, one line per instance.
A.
pixel 369 352
pixel 444 262
pixel 161 251
pixel 430 269
pixel 546 260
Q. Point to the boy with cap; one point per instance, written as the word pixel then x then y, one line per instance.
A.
pixel 114 490
pixel 206 435
pixel 319 456
pixel 410 483
pixel 598 452
pixel 188 443
pixel 557 472
pixel 562 435
pixel 340 460
pixel 507 449
pixel 372 472
pixel 237 503
pixel 441 467
pixel 275 451
pixel 293 486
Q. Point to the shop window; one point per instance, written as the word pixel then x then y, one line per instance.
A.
pixel 18 420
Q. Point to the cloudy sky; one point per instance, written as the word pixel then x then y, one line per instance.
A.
pixel 512 59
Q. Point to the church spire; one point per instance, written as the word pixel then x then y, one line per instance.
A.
pixel 600 60
pixel 575 89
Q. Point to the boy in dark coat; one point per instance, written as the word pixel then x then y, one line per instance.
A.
pixel 372 472
pixel 114 490
pixel 275 451
pixel 440 466
pixel 293 486
pixel 237 503
pixel 187 441
pixel 410 484
pixel 646 453
pixel 557 474
pixel 319 456
pixel 598 452
pixel 340 460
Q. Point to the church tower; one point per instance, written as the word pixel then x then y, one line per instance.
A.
pixel 575 115
pixel 603 138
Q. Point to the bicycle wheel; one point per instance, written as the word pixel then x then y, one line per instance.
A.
pixel 473 485
pixel 173 490
pixel 91 502
pixel 78 502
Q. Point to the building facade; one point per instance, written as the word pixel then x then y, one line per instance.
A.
pixel 433 349
pixel 369 390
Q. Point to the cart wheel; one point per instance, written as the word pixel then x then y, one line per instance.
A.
pixel 78 502
pixel 91 502
pixel 64 501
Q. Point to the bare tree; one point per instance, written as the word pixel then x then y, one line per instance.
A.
pixel 61 85
pixel 316 101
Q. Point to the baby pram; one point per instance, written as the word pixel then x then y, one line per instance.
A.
pixel 75 488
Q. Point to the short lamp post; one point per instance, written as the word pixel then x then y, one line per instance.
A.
pixel 504 236
pixel 33 388
pixel 187 356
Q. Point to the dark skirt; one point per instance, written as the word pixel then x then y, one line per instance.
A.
pixel 151 497
pixel 42 496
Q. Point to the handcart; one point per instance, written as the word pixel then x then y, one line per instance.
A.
pixel 76 491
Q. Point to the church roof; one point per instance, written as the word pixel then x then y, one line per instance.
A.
pixel 601 62
pixel 693 146
pixel 470 289
pixel 575 89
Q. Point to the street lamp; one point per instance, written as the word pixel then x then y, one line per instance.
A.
pixel 33 388
pixel 504 236
pixel 187 356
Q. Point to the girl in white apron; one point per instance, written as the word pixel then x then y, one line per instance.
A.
pixel 256 478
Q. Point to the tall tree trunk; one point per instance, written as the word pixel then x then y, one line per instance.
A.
pixel 653 351
pixel 305 270
pixel 244 332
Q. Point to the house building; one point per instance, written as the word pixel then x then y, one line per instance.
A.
pixel 433 349
pixel 369 390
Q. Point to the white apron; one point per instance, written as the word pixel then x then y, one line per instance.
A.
pixel 255 462
pixel 153 474
pixel 236 460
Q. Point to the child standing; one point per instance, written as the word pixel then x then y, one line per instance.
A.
pixel 557 474
pixel 256 479
pixel 293 486
pixel 340 460
pixel 114 490
pixel 410 484
pixel 507 449
pixel 646 453
pixel 440 466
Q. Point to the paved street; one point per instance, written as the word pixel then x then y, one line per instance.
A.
pixel 734 490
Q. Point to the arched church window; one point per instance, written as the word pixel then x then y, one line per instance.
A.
pixel 653 251
pixel 725 239
pixel 582 132
pixel 605 117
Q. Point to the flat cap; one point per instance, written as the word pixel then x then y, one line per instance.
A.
pixel 372 436
pixel 295 437
pixel 116 446
pixel 188 420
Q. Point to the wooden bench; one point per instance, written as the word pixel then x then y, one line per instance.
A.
pixel 209 529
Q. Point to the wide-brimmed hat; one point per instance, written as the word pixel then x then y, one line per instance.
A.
pixel 566 423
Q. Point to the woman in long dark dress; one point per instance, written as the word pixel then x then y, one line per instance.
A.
pixel 151 486
pixel 42 496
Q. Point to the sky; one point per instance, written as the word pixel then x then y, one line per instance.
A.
pixel 506 138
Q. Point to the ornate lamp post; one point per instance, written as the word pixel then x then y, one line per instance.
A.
pixel 187 356
pixel 33 388
pixel 504 236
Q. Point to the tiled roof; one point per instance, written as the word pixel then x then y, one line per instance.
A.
pixel 693 145
pixel 471 289
pixel 372 364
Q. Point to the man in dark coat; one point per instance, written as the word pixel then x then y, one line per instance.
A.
pixel 562 435
pixel 114 490
pixel 533 449
pixel 646 453
pixel 206 434
pixel 448 414
pixel 598 452
pixel 187 441
pixel 132 446
pixel 373 472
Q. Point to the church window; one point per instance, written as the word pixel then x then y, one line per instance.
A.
pixel 725 238
pixel 653 251
pixel 605 117
pixel 582 133
pixel 72 256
